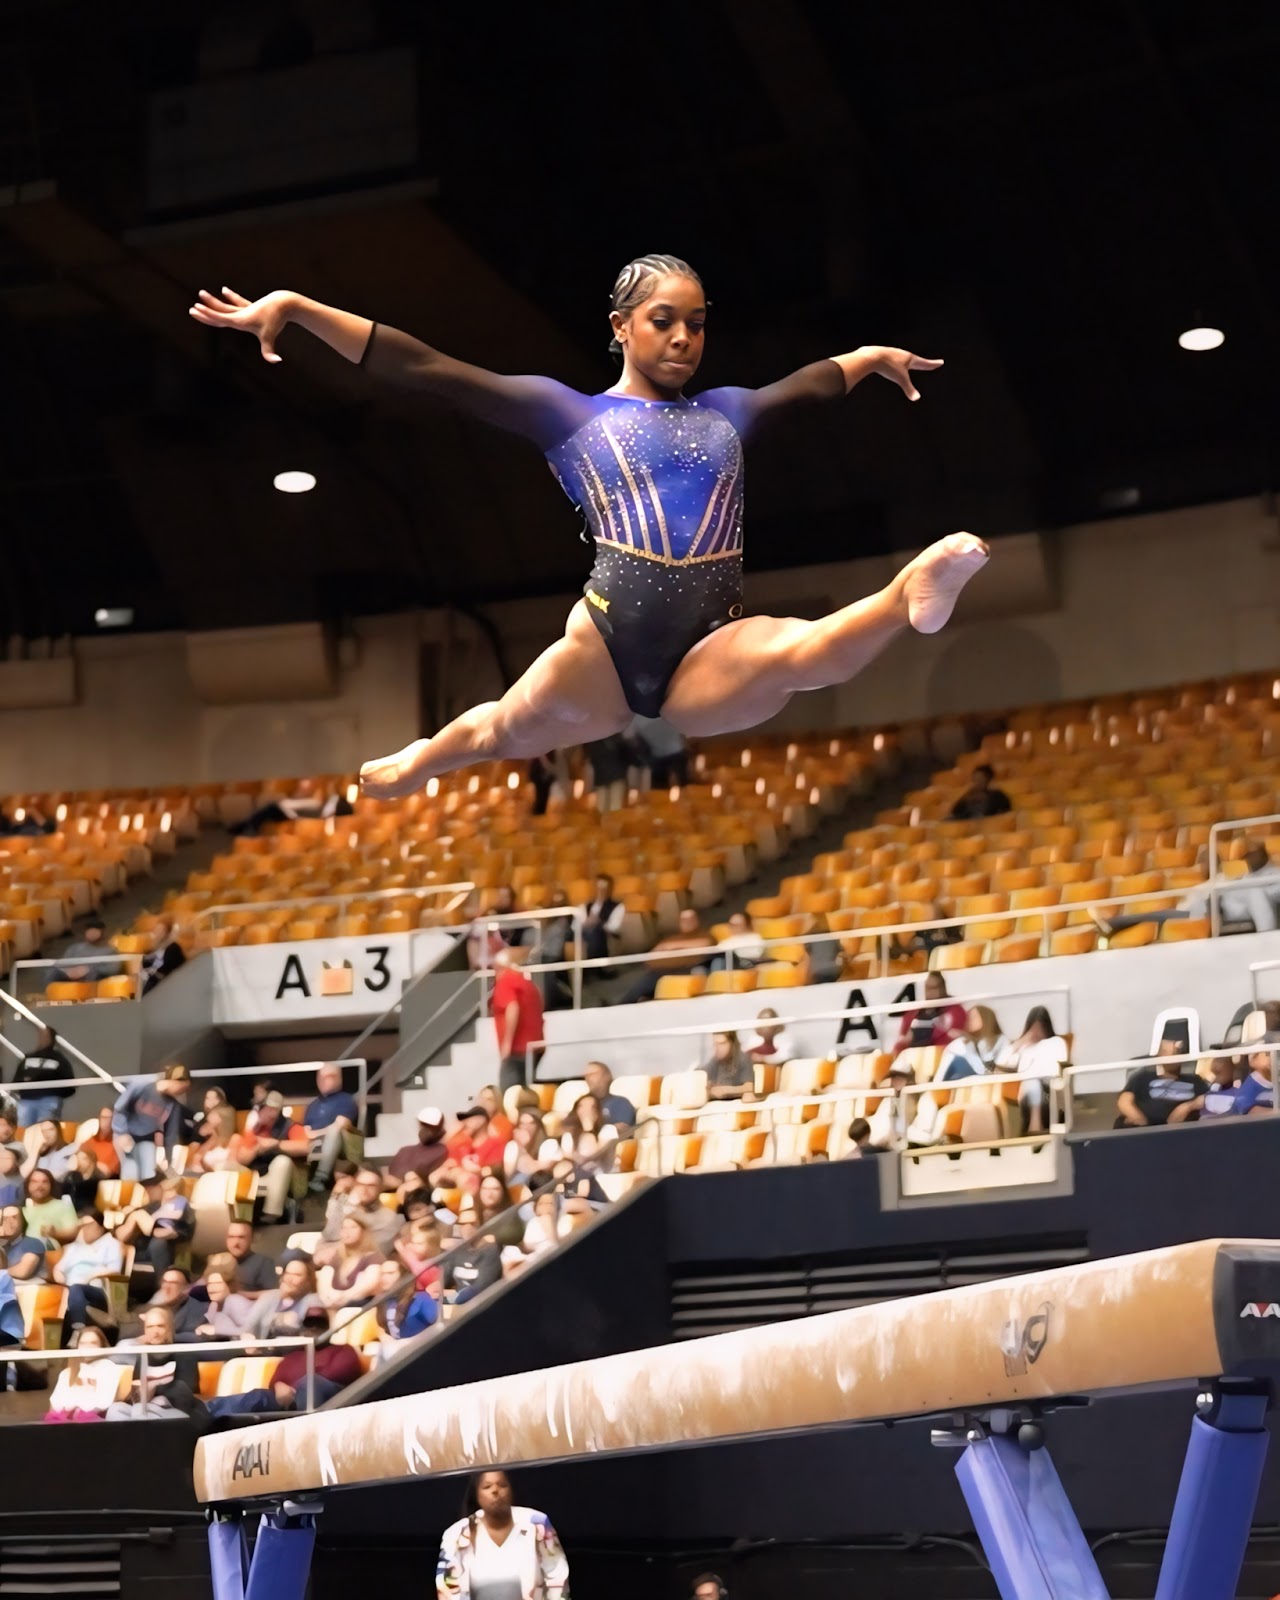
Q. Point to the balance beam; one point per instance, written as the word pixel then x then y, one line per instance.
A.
pixel 1161 1318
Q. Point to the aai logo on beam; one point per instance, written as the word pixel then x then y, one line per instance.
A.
pixel 1260 1308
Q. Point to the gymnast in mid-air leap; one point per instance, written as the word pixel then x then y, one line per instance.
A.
pixel 658 478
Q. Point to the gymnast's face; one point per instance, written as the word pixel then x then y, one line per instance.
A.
pixel 662 338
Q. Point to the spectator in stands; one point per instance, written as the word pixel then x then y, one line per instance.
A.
pixel 742 945
pixel 928 937
pixel 1250 905
pixel 475 1264
pixel 609 758
pixel 500 1550
pixel 26 1252
pixel 616 1109
pixel 185 1311
pixel 494 1211
pixel 49 1151
pixel 491 1100
pixel 710 1586
pixel 305 801
pixel 977 1051
pixel 278 1314
pixel 934 1023
pixel 364 1202
pixel 12 1321
pixel 516 1006
pixel 473 1148
pixel 523 1157
pixel 166 955
pixel 9 1135
pixel 661 750
pixel 417 1248
pixel 48 1216
pixel 38 1080
pixel 80 1185
pixel 893 1111
pixel 1164 1093
pixel 548 1225
pixel 601 919
pixel 547 939
pixel 981 798
pixel 215 1126
pixel 859 1139
pixel 230 1312
pixel 147 1119
pixel 1037 1055
pixel 410 1312
pixel 731 1073
pixel 271 1145
pixel 86 1263
pixel 586 1138
pixel 483 940
pixel 85 954
pixel 29 821
pixel 87 1384
pixel 1256 1095
pixel 692 941
pixel 13 1189
pixel 424 1156
pixel 331 1117
pixel 1218 1097
pixel 158 1227
pixel 169 1391
pixel 255 1272
pixel 772 1042
pixel 339 1202
pixel 356 1265
pixel 100 1141
pixel 336 1366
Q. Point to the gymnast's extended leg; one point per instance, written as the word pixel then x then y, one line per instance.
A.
pixel 570 695
pixel 745 672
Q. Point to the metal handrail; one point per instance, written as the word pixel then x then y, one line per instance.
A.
pixel 100 1073
pixel 422 1027
pixel 420 891
pixel 1231 825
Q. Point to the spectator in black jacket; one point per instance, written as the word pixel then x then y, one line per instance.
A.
pixel 175 1293
pixel 41 1074
pixel 981 799
pixel 165 956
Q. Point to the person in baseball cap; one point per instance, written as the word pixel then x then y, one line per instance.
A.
pixel 424 1155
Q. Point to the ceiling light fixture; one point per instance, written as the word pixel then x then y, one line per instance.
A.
pixel 113 616
pixel 1201 338
pixel 294 482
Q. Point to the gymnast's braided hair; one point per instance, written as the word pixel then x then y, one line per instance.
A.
pixel 635 284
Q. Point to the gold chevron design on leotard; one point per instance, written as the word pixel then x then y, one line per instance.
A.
pixel 598 491
pixel 635 492
pixel 656 501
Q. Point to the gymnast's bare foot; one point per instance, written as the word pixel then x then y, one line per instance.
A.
pixel 932 582
pixel 393 777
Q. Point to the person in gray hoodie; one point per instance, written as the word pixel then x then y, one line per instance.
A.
pixel 146 1118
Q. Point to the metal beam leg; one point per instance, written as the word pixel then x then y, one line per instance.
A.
pixel 1023 1517
pixel 228 1557
pixel 281 1561
pixel 1217 1495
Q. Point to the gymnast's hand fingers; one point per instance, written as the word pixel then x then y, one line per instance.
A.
pixel 214 304
pixel 233 297
pixel 923 363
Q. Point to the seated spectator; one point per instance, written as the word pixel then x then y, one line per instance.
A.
pixel 549 1224
pixel 48 1216
pixel 331 1119
pixel 601 920
pixel 424 1156
pixel 859 1139
pixel 229 1312
pixel 546 941
pixel 731 1073
pixel 86 1263
pixel 475 1264
pixel 691 942
pixel 85 956
pixel 586 1138
pixel 1250 905
pixel 26 1252
pixel 275 1147
pixel 166 955
pixel 473 1148
pixel 89 1383
pixel 336 1366
pixel 516 1006
pixel 893 1112
pixel 410 1312
pixel 523 1156
pixel 577 1185
pixel 1256 1095
pixel 1219 1094
pixel 1037 1055
pixel 417 1248
pixel 1166 1092
pixel 49 1151
pixel 13 1189
pixel 660 750
pixel 9 1135
pixel 981 798
pixel 148 1119
pixel 364 1202
pixel 616 1109
pixel 27 821
pixel 38 1081
pixel 742 945
pixel 215 1127
pixel 185 1311
pixel 160 1225
pixel 102 1144
pixel 278 1313
pixel 928 937
pixel 494 1211
pixel 81 1182
pixel 491 1100
pixel 932 1024
pixel 168 1391
pixel 772 1042
pixel 338 1204
pixel 355 1266
pixel 255 1273
pixel 977 1051
pixel 305 801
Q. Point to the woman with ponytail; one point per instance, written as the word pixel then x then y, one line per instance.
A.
pixel 658 477
pixel 499 1551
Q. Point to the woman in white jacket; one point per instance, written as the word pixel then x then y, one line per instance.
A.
pixel 500 1551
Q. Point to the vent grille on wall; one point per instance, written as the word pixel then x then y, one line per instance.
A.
pixel 719 1299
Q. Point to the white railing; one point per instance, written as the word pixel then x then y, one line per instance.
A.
pixel 1073 1075
pixel 34 965
pixel 100 1074
pixel 302 905
pixel 1232 825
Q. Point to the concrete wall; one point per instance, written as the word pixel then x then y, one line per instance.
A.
pixel 1105 607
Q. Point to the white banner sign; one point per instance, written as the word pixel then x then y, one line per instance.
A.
pixel 339 980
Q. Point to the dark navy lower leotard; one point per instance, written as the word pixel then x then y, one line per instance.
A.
pixel 659 483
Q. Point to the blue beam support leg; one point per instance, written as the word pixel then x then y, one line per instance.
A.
pixel 281 1562
pixel 1213 1514
pixel 1028 1530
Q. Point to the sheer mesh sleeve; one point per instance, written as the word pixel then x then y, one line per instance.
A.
pixel 538 409
pixel 747 408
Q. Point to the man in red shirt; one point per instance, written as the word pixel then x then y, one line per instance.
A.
pixel 472 1147
pixel 517 1012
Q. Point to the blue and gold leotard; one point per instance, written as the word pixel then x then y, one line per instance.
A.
pixel 659 483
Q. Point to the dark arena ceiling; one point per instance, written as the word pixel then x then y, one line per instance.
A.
pixel 1046 195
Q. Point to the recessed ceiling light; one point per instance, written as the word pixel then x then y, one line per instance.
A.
pixel 1201 338
pixel 113 616
pixel 294 482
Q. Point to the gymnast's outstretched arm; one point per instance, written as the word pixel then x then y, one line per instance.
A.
pixel 539 409
pixel 831 379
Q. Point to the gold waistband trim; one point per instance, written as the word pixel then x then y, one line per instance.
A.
pixel 668 561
